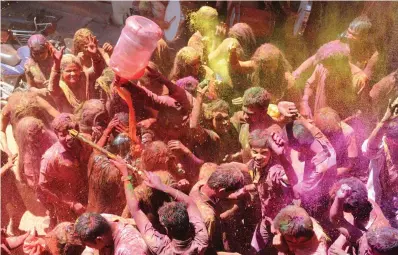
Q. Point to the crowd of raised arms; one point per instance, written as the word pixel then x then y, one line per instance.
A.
pixel 226 149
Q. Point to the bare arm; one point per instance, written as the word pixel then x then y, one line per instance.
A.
pixel 370 66
pixel 47 107
pixel 310 62
pixel 5 120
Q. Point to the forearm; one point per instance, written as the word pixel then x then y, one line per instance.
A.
pixel 376 136
pixel 336 212
pixel 371 64
pixel 177 195
pixel 289 170
pixel 3 142
pixel 138 215
pixel 197 109
pixel 55 77
pixel 310 62
pixel 104 138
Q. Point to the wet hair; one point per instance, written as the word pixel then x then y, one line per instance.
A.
pixel 63 122
pixel 327 120
pixel 69 59
pixel 245 36
pixel 256 97
pixel 80 39
pixel 227 176
pixel 182 62
pixel 333 50
pixel 89 226
pixel 273 81
pixel 361 25
pixel 206 170
pixel 259 138
pixel 156 153
pixel 294 221
pixel 358 199
pixel 62 240
pixel 88 115
pixel 189 83
pixel 218 105
pixel 174 217
pixel 384 240
pixel 203 20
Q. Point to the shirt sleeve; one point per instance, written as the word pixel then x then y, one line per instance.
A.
pixel 371 153
pixel 156 241
pixel 201 236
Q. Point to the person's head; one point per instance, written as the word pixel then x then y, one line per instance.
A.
pixel 189 83
pixel 175 219
pixel 294 224
pixel 186 63
pixel 260 148
pixel 92 114
pixel 328 121
pixel 152 84
pixel 270 66
pixel 227 179
pixel 156 156
pixel 150 200
pixel 121 145
pixel 94 231
pixel 358 31
pixel 245 36
pixel 357 202
pixel 80 39
pixel 255 104
pixel 383 240
pixel 38 47
pixel 204 20
pixel 61 125
pixel 71 69
pixel 29 130
pixel 334 56
pixel 63 241
pixel 217 113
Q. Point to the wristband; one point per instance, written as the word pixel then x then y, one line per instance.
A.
pixel 127 178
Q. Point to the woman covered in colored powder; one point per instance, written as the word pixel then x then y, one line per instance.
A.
pixel 38 66
pixel 269 69
pixel 332 83
pixel 70 84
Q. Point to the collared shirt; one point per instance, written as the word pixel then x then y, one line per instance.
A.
pixel 207 208
pixel 162 245
pixel 273 191
pixel 64 175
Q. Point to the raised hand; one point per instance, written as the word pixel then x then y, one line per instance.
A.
pixel 344 191
pixel 278 144
pixel 287 109
pixel 176 146
pixel 57 56
pixel 92 45
pixel 121 165
pixel 108 48
pixel 221 30
pixel 391 112
pixel 152 180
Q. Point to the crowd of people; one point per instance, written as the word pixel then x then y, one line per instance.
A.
pixel 222 151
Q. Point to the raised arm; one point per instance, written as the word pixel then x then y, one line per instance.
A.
pixel 55 76
pixel 5 120
pixel 336 215
pixel 310 62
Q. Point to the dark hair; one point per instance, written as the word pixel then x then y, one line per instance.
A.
pixel 259 138
pixel 245 36
pixel 256 97
pixel 63 122
pixel 228 176
pixel 294 221
pixel 218 105
pixel 62 240
pixel 358 197
pixel 384 240
pixel 174 217
pixel 89 226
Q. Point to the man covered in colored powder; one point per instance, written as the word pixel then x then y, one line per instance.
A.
pixel 63 173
